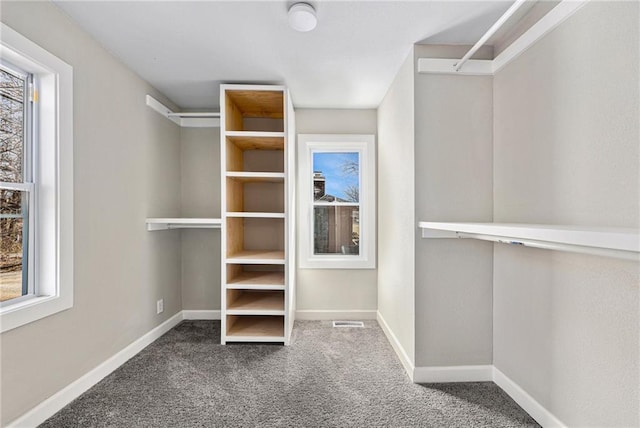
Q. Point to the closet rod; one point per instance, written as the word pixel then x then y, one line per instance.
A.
pixel 495 27
pixel 606 252
pixel 194 114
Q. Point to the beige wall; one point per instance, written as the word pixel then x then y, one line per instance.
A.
pixel 566 151
pixel 200 183
pixel 126 168
pixel 336 289
pixel 396 214
pixel 453 164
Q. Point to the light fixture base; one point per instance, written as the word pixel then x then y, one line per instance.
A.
pixel 302 17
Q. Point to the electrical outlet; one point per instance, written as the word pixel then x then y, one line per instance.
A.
pixel 160 306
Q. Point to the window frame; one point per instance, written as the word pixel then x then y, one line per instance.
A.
pixel 53 181
pixel 364 145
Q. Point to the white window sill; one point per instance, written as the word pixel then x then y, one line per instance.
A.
pixel 32 309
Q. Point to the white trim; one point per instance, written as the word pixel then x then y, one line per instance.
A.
pixel 192 314
pixel 56 402
pixel 395 344
pixel 537 411
pixel 546 24
pixel 331 314
pixel 54 179
pixel 364 144
pixel 480 373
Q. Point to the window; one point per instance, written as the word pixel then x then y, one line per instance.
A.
pixel 337 193
pixel 16 184
pixel 36 182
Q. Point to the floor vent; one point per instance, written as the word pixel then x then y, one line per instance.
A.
pixel 348 324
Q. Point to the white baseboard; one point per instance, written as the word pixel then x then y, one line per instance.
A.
pixel 56 402
pixel 200 315
pixel 321 314
pixel 395 344
pixel 537 411
pixel 482 373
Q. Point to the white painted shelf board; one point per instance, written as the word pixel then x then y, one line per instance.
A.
pixel 254 134
pixel 266 257
pixel 183 223
pixel 255 287
pixel 597 238
pixel 255 215
pixel 244 176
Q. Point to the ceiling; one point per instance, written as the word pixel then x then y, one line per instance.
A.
pixel 186 49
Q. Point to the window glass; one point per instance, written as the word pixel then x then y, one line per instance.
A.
pixel 14 241
pixel 12 118
pixel 14 220
pixel 336 230
pixel 336 177
pixel 336 195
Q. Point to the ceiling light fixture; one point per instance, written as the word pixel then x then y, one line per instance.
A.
pixel 302 17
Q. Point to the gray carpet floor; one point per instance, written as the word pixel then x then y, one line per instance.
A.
pixel 328 377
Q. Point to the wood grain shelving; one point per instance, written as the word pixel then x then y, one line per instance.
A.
pixel 256 280
pixel 255 328
pixel 255 206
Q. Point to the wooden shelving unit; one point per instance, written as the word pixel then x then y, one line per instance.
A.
pixel 257 288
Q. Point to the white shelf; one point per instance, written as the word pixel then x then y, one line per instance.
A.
pixel 256 176
pixel 255 215
pixel 257 257
pixel 183 223
pixel 612 242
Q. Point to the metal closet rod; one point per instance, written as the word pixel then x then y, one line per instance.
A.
pixel 558 246
pixel 495 27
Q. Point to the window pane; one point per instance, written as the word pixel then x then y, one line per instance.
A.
pixel 336 230
pixel 336 177
pixel 13 244
pixel 12 95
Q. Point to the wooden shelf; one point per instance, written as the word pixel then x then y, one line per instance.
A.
pixel 253 140
pixel 256 177
pixel 612 242
pixel 254 328
pixel 256 257
pixel 182 223
pixel 257 280
pixel 256 103
pixel 251 302
pixel 255 215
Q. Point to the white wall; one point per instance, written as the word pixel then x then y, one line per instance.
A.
pixel 454 167
pixel 336 289
pixel 566 151
pixel 126 168
pixel 200 184
pixel 396 213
